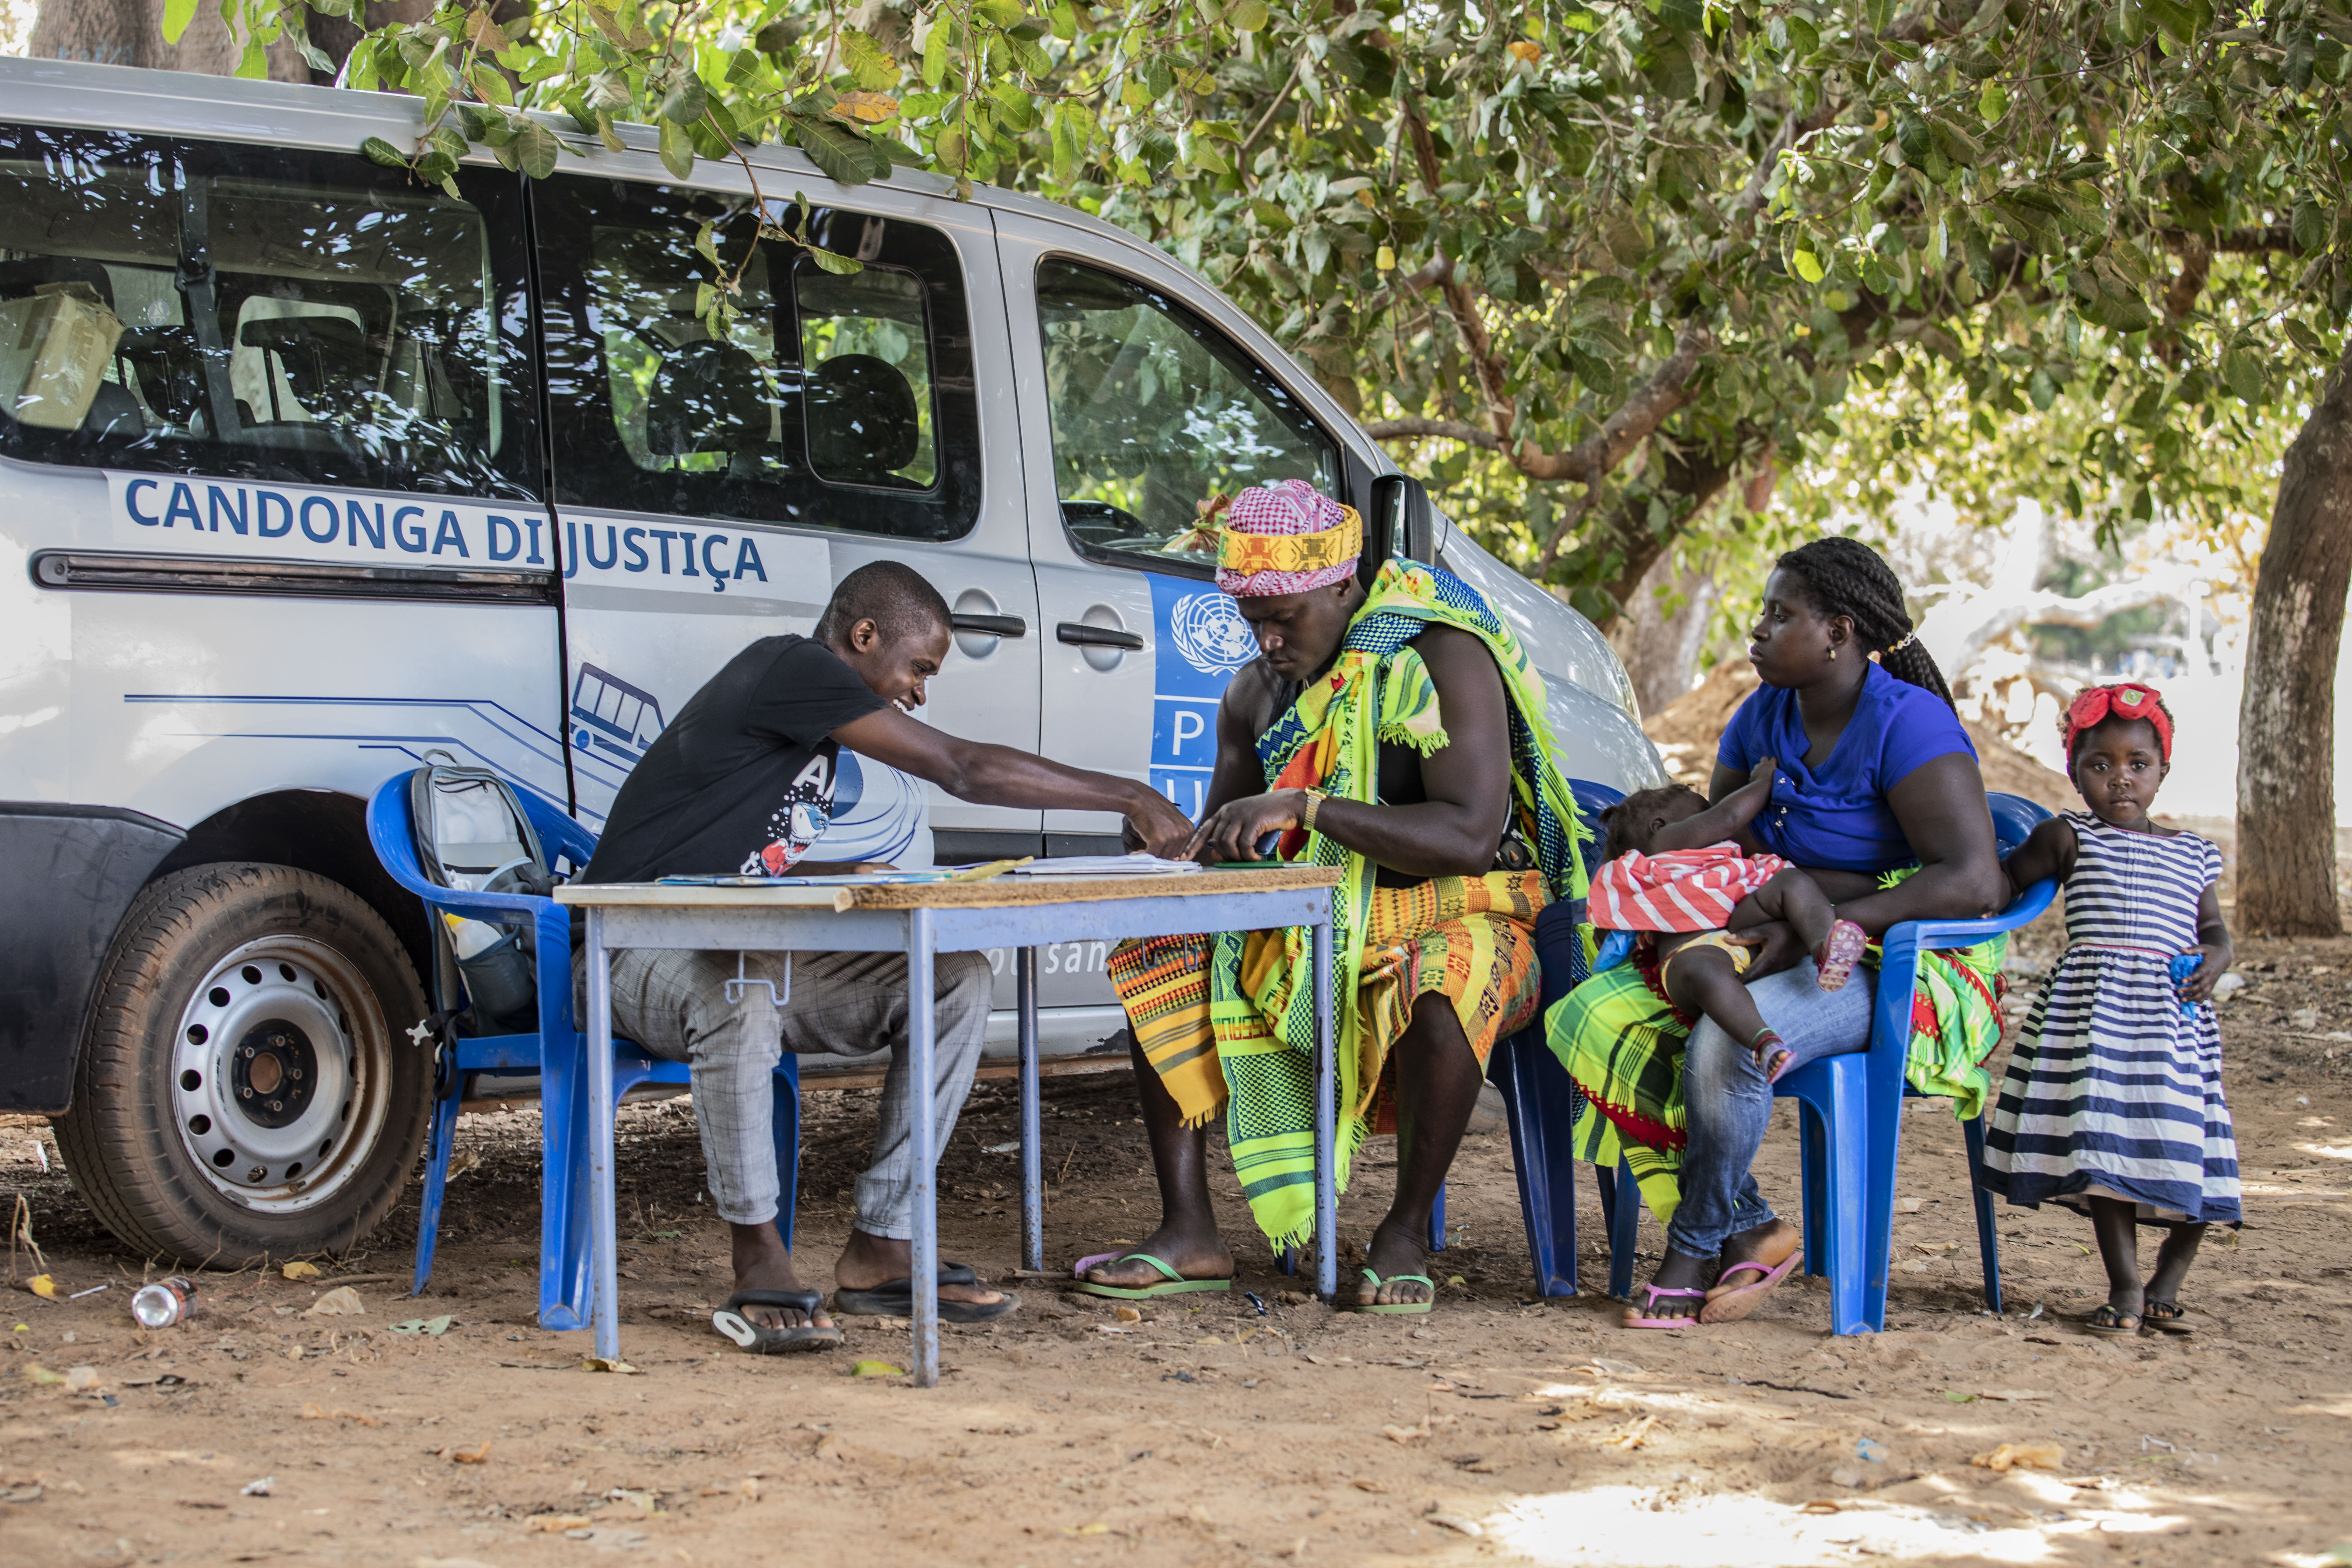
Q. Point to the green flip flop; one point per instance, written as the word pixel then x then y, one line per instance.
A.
pixel 1398 1308
pixel 1174 1285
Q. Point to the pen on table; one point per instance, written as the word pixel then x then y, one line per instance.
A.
pixel 988 872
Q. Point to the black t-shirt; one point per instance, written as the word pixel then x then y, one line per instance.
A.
pixel 741 781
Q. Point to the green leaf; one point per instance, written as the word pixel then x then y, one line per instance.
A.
pixel 177 15
pixel 1683 15
pixel 1992 104
pixel 1955 1397
pixel 2305 338
pixel 1803 38
pixel 1249 17
pixel 380 150
pixel 490 85
pixel 2309 226
pixel 951 149
pixel 2244 371
pixel 839 265
pixel 676 150
pixel 1808 266
pixel 869 63
pixel 1004 13
pixel 685 101
pixel 778 37
pixel 840 153
pixel 935 52
pixel 535 149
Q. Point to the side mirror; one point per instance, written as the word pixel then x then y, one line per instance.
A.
pixel 1400 522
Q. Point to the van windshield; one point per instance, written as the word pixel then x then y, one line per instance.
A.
pixel 160 310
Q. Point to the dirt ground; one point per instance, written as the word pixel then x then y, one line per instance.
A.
pixel 1500 1428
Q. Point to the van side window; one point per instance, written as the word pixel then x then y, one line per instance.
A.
pixel 821 400
pixel 185 308
pixel 1154 413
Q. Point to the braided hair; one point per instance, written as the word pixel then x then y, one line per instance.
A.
pixel 1847 577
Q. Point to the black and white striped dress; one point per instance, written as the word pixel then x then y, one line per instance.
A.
pixel 2111 1092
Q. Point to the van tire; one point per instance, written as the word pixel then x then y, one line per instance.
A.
pixel 322 964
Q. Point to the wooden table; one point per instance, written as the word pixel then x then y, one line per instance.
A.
pixel 922 920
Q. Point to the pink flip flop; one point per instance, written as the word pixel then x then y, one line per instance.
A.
pixel 1736 1304
pixel 1658 1293
pixel 1078 1269
pixel 1841 950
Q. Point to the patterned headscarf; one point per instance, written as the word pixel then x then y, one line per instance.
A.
pixel 2099 703
pixel 1286 538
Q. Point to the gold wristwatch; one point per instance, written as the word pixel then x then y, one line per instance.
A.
pixel 1314 797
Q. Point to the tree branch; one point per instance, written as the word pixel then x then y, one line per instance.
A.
pixel 1451 429
pixel 1667 389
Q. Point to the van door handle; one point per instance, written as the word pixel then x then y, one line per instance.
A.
pixel 991 625
pixel 1080 634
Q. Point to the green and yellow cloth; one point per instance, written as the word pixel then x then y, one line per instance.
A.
pixel 1621 1041
pixel 1226 1018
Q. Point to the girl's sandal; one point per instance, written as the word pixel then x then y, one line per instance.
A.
pixel 1644 1315
pixel 2108 1323
pixel 2168 1318
pixel 1839 952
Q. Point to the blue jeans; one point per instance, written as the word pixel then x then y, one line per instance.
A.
pixel 1727 1103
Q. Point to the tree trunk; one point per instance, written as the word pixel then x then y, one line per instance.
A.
pixel 130 33
pixel 2286 723
pixel 1660 650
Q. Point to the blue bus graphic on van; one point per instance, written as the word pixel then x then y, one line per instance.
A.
pixel 610 715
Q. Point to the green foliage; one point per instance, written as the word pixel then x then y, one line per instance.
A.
pixel 1592 264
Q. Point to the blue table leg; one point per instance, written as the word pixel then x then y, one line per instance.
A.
pixel 605 1260
pixel 1033 1176
pixel 1327 1115
pixel 922 1072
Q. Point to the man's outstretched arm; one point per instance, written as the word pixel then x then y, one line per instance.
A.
pixel 987 774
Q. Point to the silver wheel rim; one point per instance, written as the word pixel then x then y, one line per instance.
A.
pixel 281 1071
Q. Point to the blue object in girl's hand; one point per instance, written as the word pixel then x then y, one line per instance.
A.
pixel 2185 965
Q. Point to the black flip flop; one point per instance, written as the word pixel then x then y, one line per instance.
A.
pixel 2109 1324
pixel 2170 1318
pixel 731 1322
pixel 895 1299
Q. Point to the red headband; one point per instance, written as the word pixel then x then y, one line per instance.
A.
pixel 2100 703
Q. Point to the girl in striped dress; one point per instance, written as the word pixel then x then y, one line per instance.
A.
pixel 2112 1103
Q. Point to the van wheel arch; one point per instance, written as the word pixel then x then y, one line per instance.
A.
pixel 316 830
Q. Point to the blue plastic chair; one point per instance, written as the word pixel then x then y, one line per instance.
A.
pixel 1850 1128
pixel 554 1053
pixel 1540 1103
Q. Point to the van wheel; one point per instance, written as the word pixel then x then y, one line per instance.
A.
pixel 245 1090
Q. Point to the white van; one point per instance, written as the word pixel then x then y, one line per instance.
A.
pixel 305 470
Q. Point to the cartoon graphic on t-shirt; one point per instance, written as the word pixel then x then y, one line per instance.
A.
pixel 798 821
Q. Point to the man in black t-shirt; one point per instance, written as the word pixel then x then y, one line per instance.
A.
pixel 743 782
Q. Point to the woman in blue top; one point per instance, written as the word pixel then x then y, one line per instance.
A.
pixel 1875 772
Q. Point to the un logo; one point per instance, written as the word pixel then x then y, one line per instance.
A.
pixel 1210 633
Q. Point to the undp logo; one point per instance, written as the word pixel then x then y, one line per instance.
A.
pixel 1210 633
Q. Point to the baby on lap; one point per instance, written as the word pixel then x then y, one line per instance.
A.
pixel 1690 878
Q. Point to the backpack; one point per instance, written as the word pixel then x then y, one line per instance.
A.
pixel 472 835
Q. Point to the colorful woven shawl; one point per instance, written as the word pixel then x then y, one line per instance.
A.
pixel 1377 690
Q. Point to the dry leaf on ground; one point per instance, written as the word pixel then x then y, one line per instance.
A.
pixel 342 1301
pixel 2029 1455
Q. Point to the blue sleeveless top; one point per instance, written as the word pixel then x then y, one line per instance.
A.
pixel 1836 816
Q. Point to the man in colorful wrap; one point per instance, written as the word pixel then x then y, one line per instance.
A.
pixel 1399 735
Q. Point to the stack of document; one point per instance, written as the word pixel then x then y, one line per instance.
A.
pixel 1137 865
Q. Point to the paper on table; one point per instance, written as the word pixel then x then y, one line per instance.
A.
pixel 1137 865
